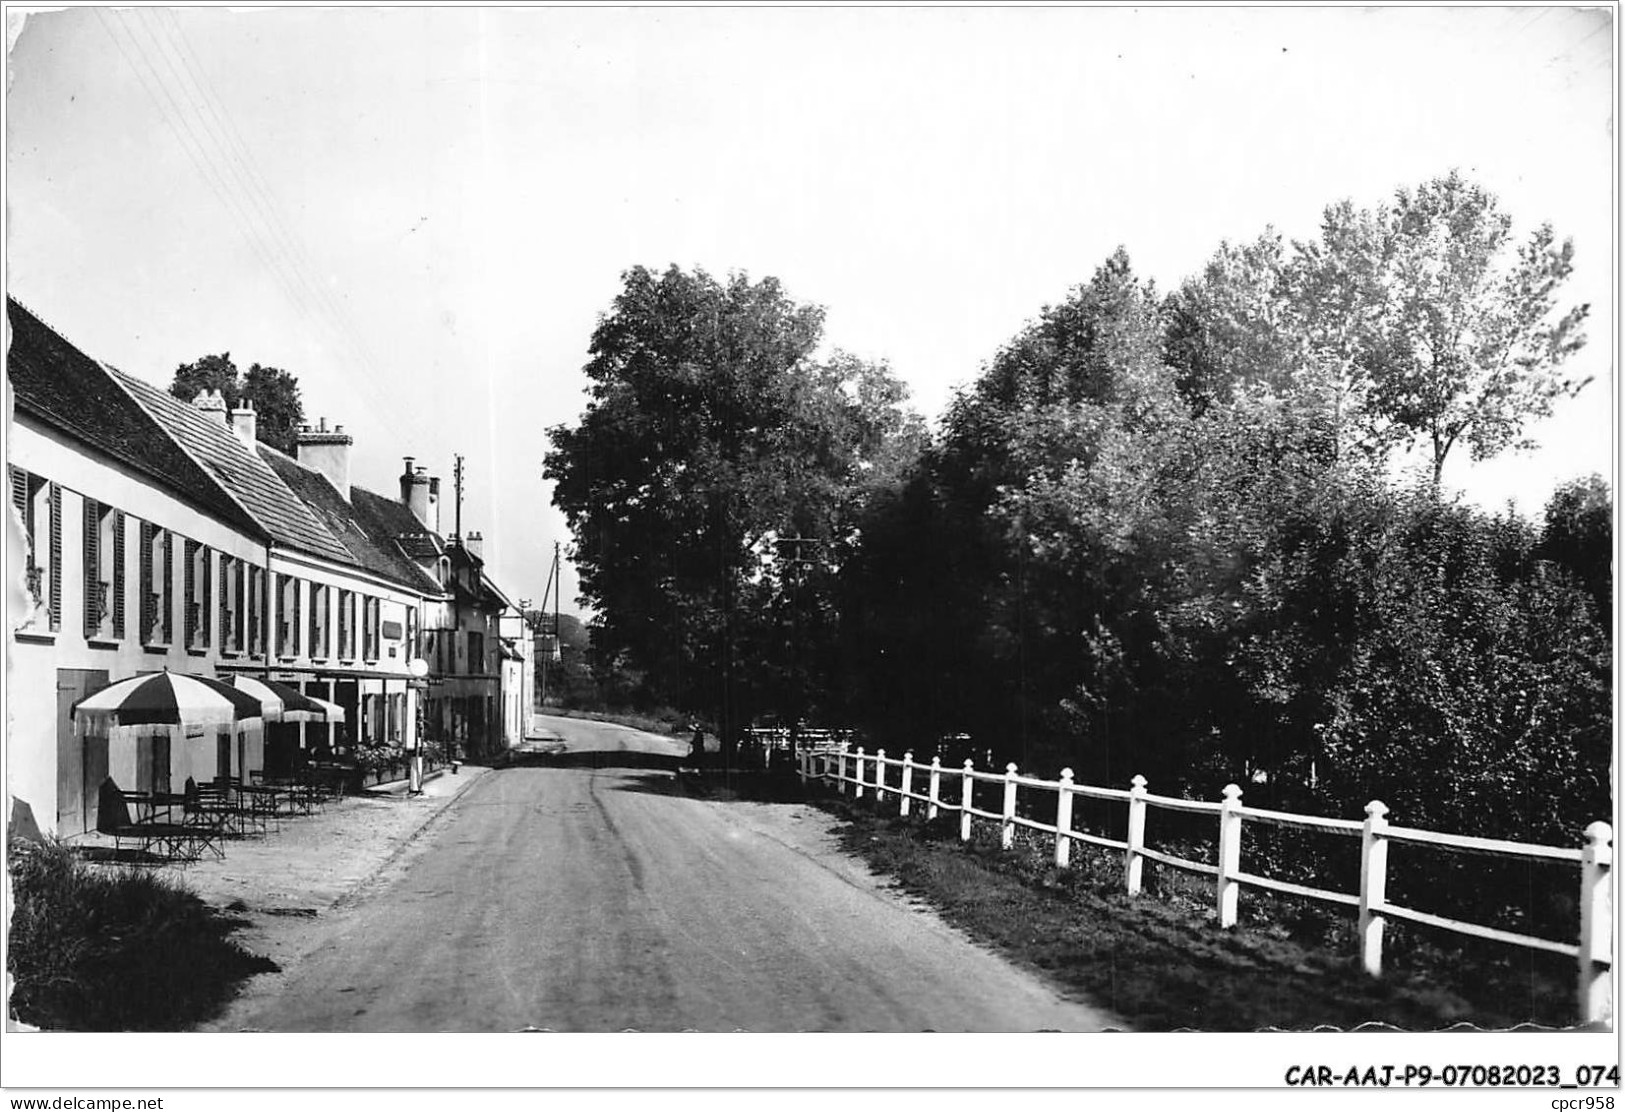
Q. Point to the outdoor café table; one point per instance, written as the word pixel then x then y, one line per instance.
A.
pixel 263 800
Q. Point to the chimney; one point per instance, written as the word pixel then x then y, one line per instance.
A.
pixel 327 452
pixel 474 545
pixel 211 405
pixel 245 424
pixel 418 492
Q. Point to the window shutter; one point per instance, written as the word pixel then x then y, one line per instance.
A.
pixel 315 605
pixel 293 626
pixel 189 598
pixel 149 614
pixel 240 620
pixel 118 573
pixel 168 616
pixel 225 601
pixel 93 568
pixel 56 557
pixel 206 596
pixel 22 487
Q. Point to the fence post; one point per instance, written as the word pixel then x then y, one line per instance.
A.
pixel 908 782
pixel 967 785
pixel 802 763
pixel 857 789
pixel 1596 924
pixel 1133 863
pixel 1007 835
pixel 840 777
pixel 880 775
pixel 1229 855
pixel 1063 819
pixel 936 788
pixel 1373 885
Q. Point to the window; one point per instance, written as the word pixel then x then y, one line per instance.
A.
pixel 104 571
pixel 371 611
pixel 476 653
pixel 287 638
pixel 230 591
pixel 254 609
pixel 346 625
pixel 318 620
pixel 413 648
pixel 199 593
pixel 157 561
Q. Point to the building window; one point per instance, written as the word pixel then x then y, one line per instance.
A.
pixel 414 650
pixel 199 593
pixel 371 637
pixel 318 620
pixel 104 571
pixel 476 654
pixel 157 563
pixel 254 609
pixel 346 625
pixel 287 640
pixel 228 603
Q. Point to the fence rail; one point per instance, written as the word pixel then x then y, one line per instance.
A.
pixel 846 769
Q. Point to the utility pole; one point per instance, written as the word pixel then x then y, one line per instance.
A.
pixel 554 584
pixel 457 530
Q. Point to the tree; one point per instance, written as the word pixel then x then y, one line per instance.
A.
pixel 712 438
pixel 274 394
pixel 212 372
pixel 1455 328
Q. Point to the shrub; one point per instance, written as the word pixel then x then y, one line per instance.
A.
pixel 93 950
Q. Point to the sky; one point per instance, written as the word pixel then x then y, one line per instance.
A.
pixel 421 213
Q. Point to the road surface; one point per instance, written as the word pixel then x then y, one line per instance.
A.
pixel 588 891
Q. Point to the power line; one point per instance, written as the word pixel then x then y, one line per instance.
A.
pixel 212 155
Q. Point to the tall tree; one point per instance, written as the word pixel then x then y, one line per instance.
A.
pixel 1456 327
pixel 274 394
pixel 710 484
pixel 211 372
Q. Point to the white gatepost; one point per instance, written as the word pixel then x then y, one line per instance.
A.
pixel 858 788
pixel 1133 862
pixel 802 761
pixel 880 775
pixel 1373 885
pixel 1229 855
pixel 908 782
pixel 840 778
pixel 1063 820
pixel 936 788
pixel 968 785
pixel 1597 925
pixel 1007 833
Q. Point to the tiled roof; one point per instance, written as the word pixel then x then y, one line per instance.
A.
pixel 367 538
pixel 241 472
pixel 388 517
pixel 60 386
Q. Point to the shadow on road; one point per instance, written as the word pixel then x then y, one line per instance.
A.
pixel 712 782
pixel 597 758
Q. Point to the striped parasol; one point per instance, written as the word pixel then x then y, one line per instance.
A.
pixel 158 702
pixel 281 703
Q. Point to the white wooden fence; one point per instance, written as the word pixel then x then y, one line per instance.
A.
pixel 845 768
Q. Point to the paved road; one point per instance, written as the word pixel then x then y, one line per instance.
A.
pixel 587 891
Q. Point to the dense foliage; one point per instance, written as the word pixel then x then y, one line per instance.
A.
pixel 1164 535
pixel 273 392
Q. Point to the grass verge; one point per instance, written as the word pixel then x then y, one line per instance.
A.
pixel 97 950
pixel 1160 961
